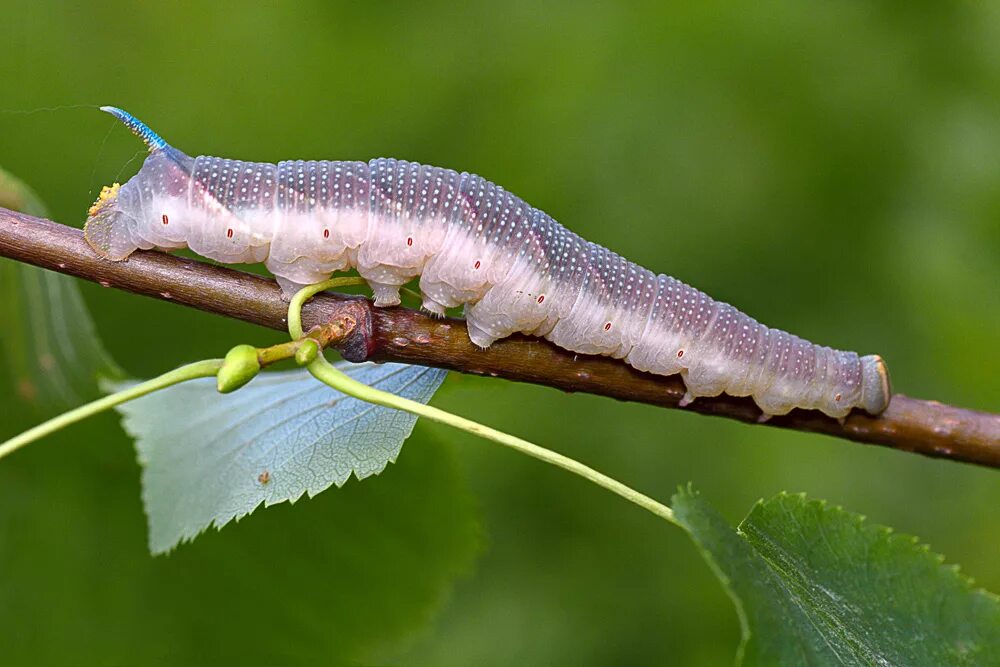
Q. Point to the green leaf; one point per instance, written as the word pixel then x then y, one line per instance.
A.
pixel 210 458
pixel 817 585
pixel 17 196
pixel 51 347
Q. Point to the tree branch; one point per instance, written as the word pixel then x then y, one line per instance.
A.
pixel 407 336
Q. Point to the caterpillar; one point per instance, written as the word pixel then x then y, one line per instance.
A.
pixel 472 243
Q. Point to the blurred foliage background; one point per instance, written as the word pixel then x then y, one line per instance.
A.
pixel 830 168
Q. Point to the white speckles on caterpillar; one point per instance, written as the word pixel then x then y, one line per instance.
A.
pixel 472 243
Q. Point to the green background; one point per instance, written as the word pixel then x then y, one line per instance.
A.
pixel 831 168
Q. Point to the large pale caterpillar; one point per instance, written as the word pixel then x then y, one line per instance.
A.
pixel 472 243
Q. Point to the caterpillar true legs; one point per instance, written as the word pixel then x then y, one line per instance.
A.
pixel 471 243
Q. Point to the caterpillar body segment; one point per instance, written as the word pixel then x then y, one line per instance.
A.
pixel 471 243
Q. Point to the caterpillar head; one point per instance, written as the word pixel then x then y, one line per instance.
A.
pixel 876 390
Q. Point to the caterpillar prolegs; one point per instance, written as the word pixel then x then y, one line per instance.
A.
pixel 472 243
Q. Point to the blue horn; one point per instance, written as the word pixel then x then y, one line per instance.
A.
pixel 139 129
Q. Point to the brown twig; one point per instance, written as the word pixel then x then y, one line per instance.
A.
pixel 398 334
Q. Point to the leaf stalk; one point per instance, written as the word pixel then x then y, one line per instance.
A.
pixel 325 372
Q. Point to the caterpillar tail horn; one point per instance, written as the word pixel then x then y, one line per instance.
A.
pixel 152 140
